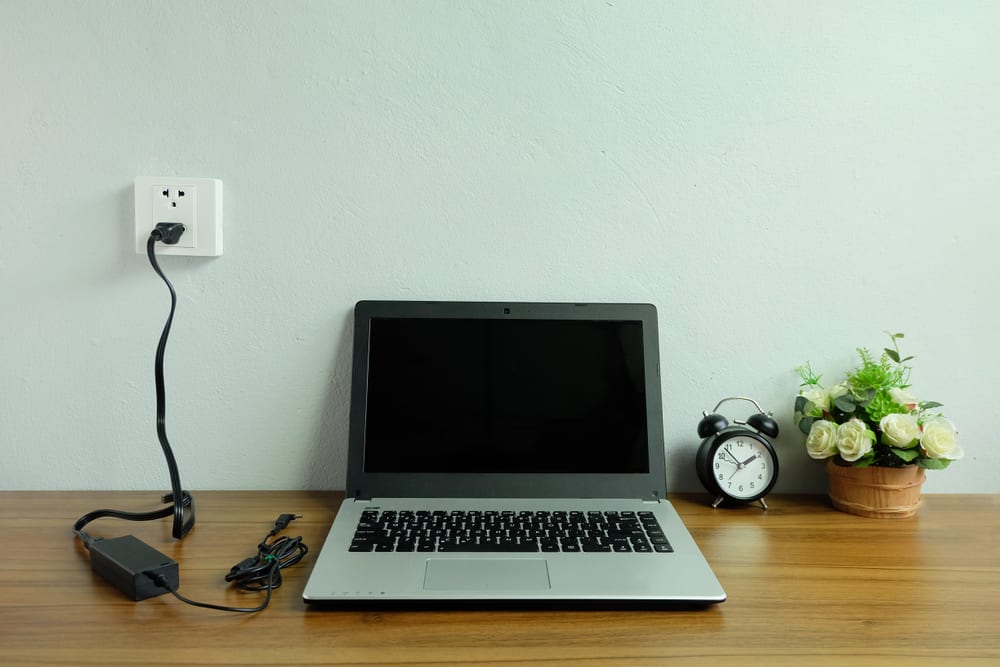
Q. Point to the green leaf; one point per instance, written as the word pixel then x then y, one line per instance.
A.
pixel 800 403
pixel 869 394
pixel 892 354
pixel 805 425
pixel 812 410
pixel 865 461
pixel 809 377
pixel 934 464
pixel 927 405
pixel 845 403
pixel 905 454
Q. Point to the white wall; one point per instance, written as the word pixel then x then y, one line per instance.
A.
pixel 784 180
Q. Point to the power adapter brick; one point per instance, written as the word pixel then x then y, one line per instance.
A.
pixel 129 564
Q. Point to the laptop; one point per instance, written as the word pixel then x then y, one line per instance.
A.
pixel 507 453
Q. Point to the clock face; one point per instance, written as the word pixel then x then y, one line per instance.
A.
pixel 743 467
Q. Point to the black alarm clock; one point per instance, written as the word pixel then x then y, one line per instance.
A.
pixel 736 463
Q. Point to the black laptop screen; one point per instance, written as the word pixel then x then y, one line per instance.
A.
pixel 505 396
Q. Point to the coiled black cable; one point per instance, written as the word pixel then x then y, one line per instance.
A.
pixel 261 572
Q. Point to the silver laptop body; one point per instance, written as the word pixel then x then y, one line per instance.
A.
pixel 507 453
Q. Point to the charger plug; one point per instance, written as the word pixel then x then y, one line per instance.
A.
pixel 131 565
pixel 169 232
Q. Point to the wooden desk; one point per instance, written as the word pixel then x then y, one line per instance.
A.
pixel 807 585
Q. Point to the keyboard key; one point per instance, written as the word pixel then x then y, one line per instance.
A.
pixel 525 547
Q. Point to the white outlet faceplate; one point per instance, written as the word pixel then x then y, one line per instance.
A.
pixel 194 202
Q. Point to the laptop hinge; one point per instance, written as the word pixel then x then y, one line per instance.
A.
pixel 359 497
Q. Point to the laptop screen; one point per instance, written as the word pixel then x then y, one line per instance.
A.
pixel 525 400
pixel 462 395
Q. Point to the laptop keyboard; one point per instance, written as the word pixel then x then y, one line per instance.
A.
pixel 506 532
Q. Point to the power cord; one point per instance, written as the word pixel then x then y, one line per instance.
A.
pixel 170 233
pixel 261 572
pixel 181 503
pixel 139 570
pixel 122 560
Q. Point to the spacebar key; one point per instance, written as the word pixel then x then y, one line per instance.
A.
pixel 488 547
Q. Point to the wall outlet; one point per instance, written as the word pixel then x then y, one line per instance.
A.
pixel 194 202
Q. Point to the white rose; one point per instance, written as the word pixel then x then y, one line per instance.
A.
pixel 818 397
pixel 940 440
pixel 838 390
pixel 821 443
pixel 903 397
pixel 854 440
pixel 900 430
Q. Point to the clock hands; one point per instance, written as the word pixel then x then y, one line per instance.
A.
pixel 739 465
pixel 726 451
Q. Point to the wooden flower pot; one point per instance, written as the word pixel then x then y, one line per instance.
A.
pixel 882 493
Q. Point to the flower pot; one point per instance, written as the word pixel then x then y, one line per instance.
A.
pixel 883 493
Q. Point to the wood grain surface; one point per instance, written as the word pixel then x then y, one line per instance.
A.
pixel 807 585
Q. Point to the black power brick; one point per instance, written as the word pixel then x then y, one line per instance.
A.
pixel 130 565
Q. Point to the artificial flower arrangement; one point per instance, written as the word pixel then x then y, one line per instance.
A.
pixel 872 418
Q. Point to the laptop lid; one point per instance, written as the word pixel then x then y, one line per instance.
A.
pixel 505 400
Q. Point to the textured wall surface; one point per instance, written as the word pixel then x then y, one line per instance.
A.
pixel 784 180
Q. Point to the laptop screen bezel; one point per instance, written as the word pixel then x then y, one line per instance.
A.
pixel 649 485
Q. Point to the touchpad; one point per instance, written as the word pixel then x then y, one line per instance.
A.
pixel 487 574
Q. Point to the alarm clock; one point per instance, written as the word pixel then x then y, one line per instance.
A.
pixel 736 463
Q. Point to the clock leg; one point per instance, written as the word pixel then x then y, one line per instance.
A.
pixel 762 504
pixel 717 501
